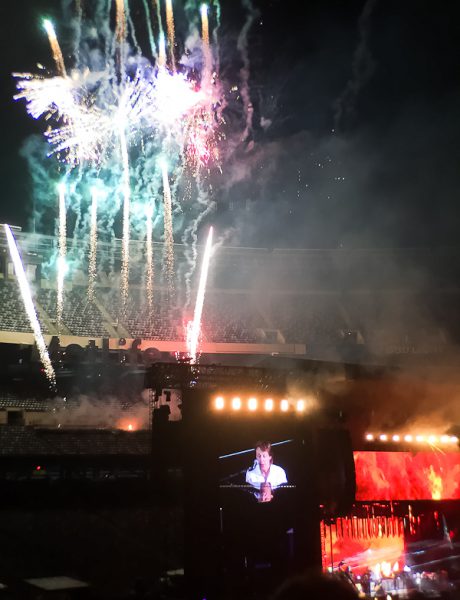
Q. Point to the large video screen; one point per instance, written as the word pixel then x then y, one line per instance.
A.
pixel 260 467
pixel 407 475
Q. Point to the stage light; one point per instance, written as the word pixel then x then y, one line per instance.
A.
pixel 419 438
pixel 408 438
pixel 445 439
pixel 236 403
pixel 396 438
pixel 268 404
pixel 301 405
pixel 284 405
pixel 432 439
pixel 252 404
pixel 219 403
pixel 369 437
pixel 453 439
pixel 383 437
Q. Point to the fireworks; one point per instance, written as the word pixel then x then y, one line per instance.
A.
pixel 62 266
pixel 207 58
pixel 92 246
pixel 55 48
pixel 114 114
pixel 149 255
pixel 120 32
pixel 171 32
pixel 194 327
pixel 126 229
pixel 168 231
pixel 29 307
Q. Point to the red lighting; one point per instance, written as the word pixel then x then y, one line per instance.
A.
pixel 407 476
pixel 375 543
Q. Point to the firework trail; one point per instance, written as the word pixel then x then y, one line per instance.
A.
pixel 92 264
pixel 242 45
pixel 190 238
pixel 156 4
pixel 55 48
pixel 126 221
pixel 149 252
pixel 61 262
pixel 171 32
pixel 161 50
pixel 29 307
pixel 120 31
pixel 153 48
pixel 207 57
pixel 79 11
pixel 194 327
pixel 168 231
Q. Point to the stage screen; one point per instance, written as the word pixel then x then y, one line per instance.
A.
pixel 260 467
pixel 407 475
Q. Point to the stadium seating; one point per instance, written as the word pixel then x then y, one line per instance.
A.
pixel 13 316
pixel 80 316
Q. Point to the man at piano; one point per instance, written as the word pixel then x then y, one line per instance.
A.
pixel 264 475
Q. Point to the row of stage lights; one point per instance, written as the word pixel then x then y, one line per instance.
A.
pixel 236 404
pixel 409 438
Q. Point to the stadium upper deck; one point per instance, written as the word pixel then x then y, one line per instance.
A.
pixel 389 300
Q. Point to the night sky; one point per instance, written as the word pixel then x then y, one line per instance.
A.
pixel 356 130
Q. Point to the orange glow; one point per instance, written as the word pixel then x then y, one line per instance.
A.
pixel 252 404
pixel 409 437
pixel 127 425
pixel 236 403
pixel 436 484
pixel 219 403
pixel 301 405
pixel 268 404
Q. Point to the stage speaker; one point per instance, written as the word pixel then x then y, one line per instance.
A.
pixel 335 471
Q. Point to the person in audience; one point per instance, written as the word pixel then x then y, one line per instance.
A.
pixel 264 475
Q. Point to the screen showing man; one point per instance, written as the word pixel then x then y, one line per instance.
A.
pixel 264 475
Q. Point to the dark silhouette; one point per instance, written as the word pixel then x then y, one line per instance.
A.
pixel 316 586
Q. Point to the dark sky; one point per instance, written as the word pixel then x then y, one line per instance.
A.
pixel 356 127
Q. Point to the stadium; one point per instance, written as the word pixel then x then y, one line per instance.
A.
pixel 329 327
pixel 228 337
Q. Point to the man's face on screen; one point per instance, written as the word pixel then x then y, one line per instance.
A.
pixel 263 458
